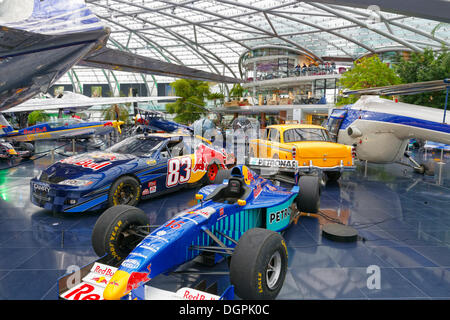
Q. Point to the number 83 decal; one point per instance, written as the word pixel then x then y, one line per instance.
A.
pixel 175 174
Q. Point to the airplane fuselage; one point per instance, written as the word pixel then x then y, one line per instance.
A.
pixel 45 131
pixel 380 129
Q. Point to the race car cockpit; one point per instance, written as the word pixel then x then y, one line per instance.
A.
pixel 235 190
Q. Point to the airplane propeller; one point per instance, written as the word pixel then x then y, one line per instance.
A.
pixel 117 124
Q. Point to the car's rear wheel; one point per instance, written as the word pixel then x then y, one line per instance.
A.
pixel 211 173
pixel 118 230
pixel 125 191
pixel 308 199
pixel 258 265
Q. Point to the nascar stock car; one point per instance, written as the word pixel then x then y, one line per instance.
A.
pixel 239 220
pixel 139 167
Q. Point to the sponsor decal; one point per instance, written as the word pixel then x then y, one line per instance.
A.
pixel 84 291
pixel 152 186
pixel 145 192
pixel 279 163
pixel 204 155
pixel 41 187
pixel 86 163
pixel 100 280
pixel 103 270
pixel 35 130
pixel 205 212
pixel 149 247
pixel 130 263
pixel 137 254
pixel 193 294
pixel 102 155
pixel 258 190
pixel 138 278
pixel 278 216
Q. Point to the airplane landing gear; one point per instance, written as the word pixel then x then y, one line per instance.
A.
pixel 424 168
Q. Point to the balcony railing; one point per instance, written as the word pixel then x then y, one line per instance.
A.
pixel 301 72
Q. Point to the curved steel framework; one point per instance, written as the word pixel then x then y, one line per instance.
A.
pixel 212 34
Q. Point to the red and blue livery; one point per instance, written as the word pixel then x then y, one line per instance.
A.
pixel 137 168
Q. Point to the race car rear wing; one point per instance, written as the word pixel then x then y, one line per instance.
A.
pixel 89 282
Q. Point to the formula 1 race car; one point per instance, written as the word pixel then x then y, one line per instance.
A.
pixel 240 219
pixel 139 167
pixel 21 149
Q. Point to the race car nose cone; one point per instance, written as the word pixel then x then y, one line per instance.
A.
pixel 117 286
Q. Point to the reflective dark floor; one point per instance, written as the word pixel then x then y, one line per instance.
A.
pixel 403 220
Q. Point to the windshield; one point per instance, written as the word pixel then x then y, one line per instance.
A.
pixel 138 145
pixel 64 122
pixel 306 134
pixel 333 126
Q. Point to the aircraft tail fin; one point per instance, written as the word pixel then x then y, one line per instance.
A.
pixel 5 127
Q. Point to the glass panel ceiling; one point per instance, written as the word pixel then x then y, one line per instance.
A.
pixel 212 35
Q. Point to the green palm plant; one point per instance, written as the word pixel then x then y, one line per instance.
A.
pixel 191 104
pixel 37 116
pixel 116 112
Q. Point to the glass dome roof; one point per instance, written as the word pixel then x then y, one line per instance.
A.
pixel 211 35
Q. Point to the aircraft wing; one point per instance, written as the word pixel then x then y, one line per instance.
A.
pixel 112 59
pixel 64 103
pixel 41 40
pixel 77 133
pixel 404 89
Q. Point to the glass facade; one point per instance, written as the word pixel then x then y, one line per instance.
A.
pixel 212 35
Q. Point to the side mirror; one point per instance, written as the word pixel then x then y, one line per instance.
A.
pixel 241 202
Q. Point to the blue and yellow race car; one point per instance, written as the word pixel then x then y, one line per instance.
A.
pixel 139 167
pixel 240 219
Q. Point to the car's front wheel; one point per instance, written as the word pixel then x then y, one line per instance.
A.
pixel 118 230
pixel 258 265
pixel 125 191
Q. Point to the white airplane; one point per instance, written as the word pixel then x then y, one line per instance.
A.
pixel 380 129
pixel 71 100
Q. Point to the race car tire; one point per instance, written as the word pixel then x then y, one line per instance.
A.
pixel 308 199
pixel 258 265
pixel 333 175
pixel 26 146
pixel 126 190
pixel 110 236
pixel 212 171
pixel 222 175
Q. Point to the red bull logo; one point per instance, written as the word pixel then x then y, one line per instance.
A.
pixel 138 278
pixel 100 280
pixel 35 130
pixel 86 163
pixel 204 156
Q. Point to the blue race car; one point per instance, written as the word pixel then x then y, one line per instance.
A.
pixel 139 167
pixel 239 219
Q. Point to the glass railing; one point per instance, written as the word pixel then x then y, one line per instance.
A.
pixel 319 70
